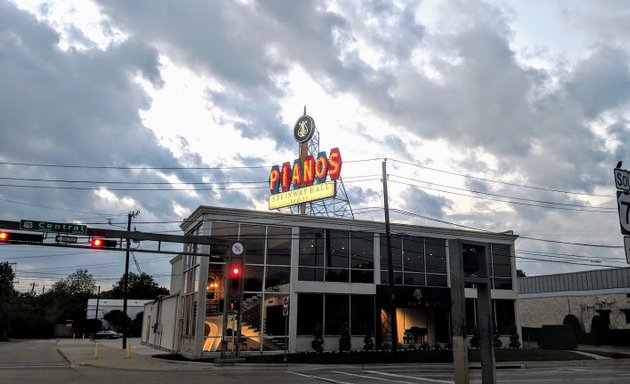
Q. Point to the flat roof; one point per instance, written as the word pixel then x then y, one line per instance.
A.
pixel 284 219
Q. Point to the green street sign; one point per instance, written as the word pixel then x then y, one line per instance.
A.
pixel 44 226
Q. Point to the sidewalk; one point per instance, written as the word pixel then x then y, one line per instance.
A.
pixel 84 352
pixel 604 348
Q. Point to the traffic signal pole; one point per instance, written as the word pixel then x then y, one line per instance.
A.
pixel 130 216
pixel 226 306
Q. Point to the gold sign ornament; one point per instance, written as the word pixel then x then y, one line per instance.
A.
pixel 304 129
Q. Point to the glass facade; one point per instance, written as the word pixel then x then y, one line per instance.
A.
pixel 333 312
pixel 290 261
pixel 416 261
pixel 266 279
pixel 336 256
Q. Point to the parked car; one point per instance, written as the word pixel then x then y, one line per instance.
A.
pixel 107 335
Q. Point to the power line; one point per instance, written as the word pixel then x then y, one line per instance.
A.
pixel 510 202
pixel 501 195
pixel 499 181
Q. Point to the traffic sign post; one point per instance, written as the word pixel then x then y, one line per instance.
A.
pixel 626 246
pixel 622 182
pixel 285 313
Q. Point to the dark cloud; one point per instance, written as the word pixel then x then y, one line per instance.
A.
pixel 416 200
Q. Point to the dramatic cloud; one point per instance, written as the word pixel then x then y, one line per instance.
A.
pixel 489 121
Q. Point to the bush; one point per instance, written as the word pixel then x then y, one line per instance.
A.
pixel 318 339
pixel 475 340
pixel 345 339
pixel 576 326
pixel 514 338
pixel 556 337
pixel 368 343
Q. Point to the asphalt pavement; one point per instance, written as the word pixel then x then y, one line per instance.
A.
pixel 109 354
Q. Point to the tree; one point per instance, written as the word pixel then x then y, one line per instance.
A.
pixel 68 298
pixel 6 278
pixel 6 292
pixel 520 273
pixel 117 319
pixel 78 283
pixel 140 286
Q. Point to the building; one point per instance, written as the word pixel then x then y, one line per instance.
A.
pixel 134 307
pixel 332 272
pixel 581 299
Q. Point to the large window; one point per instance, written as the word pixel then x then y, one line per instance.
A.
pixel 501 266
pixel 362 314
pixel 505 319
pixel 310 312
pixel 336 256
pixel 357 311
pixel 417 261
pixel 396 241
pixel 337 313
pixel 266 278
pixel 278 246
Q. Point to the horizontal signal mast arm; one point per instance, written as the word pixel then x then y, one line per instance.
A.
pixel 136 235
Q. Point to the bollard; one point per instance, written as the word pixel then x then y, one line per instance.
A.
pixel 128 350
pixel 96 351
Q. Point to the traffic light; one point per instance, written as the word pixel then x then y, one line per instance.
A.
pixel 236 276
pixel 103 243
pixel 235 305
pixel 19 237
pixel 235 271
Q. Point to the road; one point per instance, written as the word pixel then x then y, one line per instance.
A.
pixel 38 361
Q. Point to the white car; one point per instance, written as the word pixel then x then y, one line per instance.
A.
pixel 107 335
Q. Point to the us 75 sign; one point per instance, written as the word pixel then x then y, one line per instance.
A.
pixel 623 203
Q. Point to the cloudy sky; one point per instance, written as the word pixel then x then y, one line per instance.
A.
pixel 498 115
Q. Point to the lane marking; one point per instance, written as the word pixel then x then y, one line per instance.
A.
pixel 373 378
pixel 33 366
pixel 319 378
pixel 411 377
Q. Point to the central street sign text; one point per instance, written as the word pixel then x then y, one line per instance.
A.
pixel 44 226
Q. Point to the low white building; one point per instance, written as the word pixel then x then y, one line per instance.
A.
pixel 322 272
pixel 98 308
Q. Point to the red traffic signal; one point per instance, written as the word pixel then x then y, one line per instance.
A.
pixel 235 271
pixel 18 237
pixel 103 243
pixel 235 305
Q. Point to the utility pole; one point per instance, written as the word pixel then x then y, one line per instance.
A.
pixel 98 299
pixel 390 267
pixel 130 216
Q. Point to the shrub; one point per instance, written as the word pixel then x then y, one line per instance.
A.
pixel 496 339
pixel 475 340
pixel 345 340
pixel 318 339
pixel 556 337
pixel 576 326
pixel 514 338
pixel 368 343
